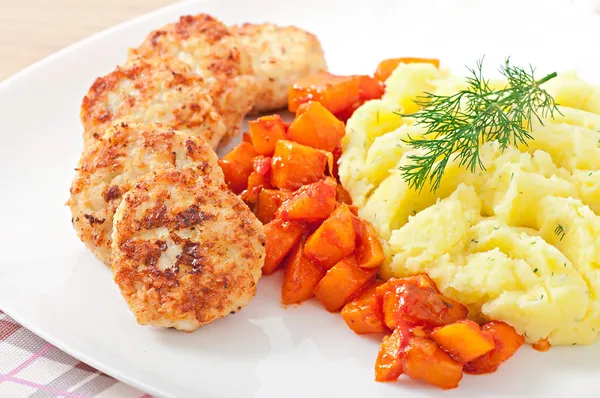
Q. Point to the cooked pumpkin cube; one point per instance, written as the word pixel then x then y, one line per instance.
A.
pixel 258 179
pixel 424 360
pixel 334 92
pixel 370 88
pixel 237 166
pixel 387 66
pixel 369 251
pixel 269 201
pixel 507 341
pixel 265 132
pixel 301 276
pixel 281 238
pixel 390 358
pixel 317 127
pixel 295 165
pixel 312 202
pixel 364 313
pixel 463 340
pixel 341 282
pixel 334 239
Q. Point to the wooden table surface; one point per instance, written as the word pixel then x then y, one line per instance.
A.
pixel 32 29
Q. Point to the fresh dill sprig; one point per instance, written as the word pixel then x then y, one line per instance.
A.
pixel 457 125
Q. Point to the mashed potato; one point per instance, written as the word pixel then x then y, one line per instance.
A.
pixel 516 242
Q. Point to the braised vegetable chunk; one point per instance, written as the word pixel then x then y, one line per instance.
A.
pixel 464 340
pixel 333 240
pixel 389 362
pixel 300 278
pixel 341 282
pixel 426 361
pixel 333 92
pixel 370 88
pixel 258 179
pixel 387 66
pixel 317 128
pixel 407 303
pixel 507 342
pixel 237 166
pixel 364 314
pixel 312 202
pixel 281 238
pixel 295 165
pixel 265 132
pixel 269 200
pixel 369 252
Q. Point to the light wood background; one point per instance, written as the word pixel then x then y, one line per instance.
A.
pixel 32 29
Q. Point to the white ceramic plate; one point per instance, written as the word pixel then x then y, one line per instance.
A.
pixel 51 284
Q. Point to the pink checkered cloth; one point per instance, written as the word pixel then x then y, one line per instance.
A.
pixel 31 367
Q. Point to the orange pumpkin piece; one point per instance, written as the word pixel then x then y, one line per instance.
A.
pixel 295 165
pixel 364 314
pixel 333 240
pixel 507 342
pixel 301 276
pixel 387 66
pixel 390 360
pixel 281 238
pixel 258 179
pixel 312 202
pixel 405 302
pixel 341 282
pixel 237 166
pixel 334 92
pixel 317 127
pixel 370 88
pixel 424 360
pixel 265 132
pixel 269 200
pixel 463 340
pixel 369 252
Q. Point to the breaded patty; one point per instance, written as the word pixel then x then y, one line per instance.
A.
pixel 108 168
pixel 186 251
pixel 279 56
pixel 143 91
pixel 215 54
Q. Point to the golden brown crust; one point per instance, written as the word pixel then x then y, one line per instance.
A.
pixel 213 52
pixel 167 92
pixel 108 168
pixel 280 55
pixel 186 251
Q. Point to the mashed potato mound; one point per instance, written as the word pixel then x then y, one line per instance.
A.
pixel 515 242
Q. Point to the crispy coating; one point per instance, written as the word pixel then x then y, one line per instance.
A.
pixel 279 55
pixel 167 92
pixel 186 251
pixel 109 167
pixel 214 53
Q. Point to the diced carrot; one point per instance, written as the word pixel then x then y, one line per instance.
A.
pixel 341 195
pixel 301 276
pixel 258 180
pixel 281 237
pixel 387 66
pixel 370 88
pixel 317 127
pixel 364 314
pixel 269 200
pixel 407 303
pixel 312 202
pixel 265 132
pixel 507 342
pixel 424 360
pixel 295 165
pixel 333 240
pixel 390 358
pixel 334 92
pixel 237 166
pixel 463 340
pixel 369 252
pixel 341 282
